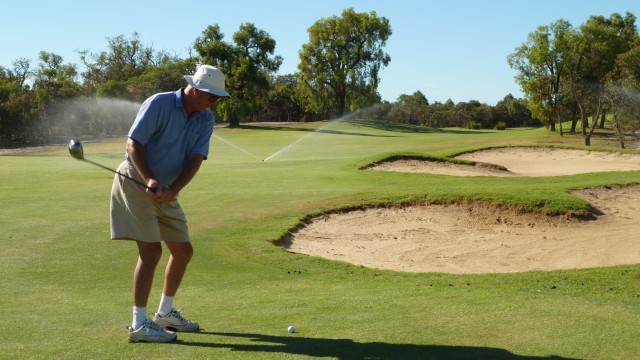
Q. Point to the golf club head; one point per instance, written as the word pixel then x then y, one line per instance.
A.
pixel 75 149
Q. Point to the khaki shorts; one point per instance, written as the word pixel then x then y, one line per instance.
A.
pixel 136 216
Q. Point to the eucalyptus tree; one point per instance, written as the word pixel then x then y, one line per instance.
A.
pixel 13 112
pixel 540 66
pixel 282 103
pixel 623 92
pixel 168 76
pixel 124 59
pixel 591 57
pixel 339 66
pixel 560 66
pixel 248 64
pixel 54 82
pixel 413 109
pixel 515 112
pixel 22 71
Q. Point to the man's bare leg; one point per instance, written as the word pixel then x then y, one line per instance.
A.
pixel 149 256
pixel 181 253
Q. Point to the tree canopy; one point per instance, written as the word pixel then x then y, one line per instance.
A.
pixel 566 73
pixel 248 64
pixel 339 66
pixel 565 70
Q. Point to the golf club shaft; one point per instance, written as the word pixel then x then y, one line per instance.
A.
pixel 121 174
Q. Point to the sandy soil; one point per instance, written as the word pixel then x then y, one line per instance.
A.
pixel 479 238
pixel 522 162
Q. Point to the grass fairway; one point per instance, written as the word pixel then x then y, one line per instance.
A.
pixel 66 288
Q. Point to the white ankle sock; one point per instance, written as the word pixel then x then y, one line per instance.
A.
pixel 166 305
pixel 139 317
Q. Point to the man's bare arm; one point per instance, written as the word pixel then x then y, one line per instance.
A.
pixel 138 158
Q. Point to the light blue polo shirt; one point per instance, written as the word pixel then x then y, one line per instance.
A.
pixel 168 136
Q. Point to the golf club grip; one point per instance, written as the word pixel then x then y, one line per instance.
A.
pixel 153 190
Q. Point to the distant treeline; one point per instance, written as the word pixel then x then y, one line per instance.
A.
pixel 337 75
pixel 416 110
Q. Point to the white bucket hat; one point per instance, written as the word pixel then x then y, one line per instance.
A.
pixel 208 78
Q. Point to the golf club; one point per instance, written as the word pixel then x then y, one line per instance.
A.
pixel 76 151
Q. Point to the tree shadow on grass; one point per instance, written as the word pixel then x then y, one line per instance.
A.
pixel 374 124
pixel 345 349
pixel 320 130
pixel 408 128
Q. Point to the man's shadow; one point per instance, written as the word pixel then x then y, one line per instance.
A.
pixel 346 349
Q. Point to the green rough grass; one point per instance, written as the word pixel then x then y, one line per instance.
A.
pixel 66 287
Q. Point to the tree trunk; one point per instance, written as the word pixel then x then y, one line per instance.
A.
pixel 560 123
pixel 584 119
pixel 574 120
pixel 603 118
pixel 587 137
pixel 341 104
pixel 618 130
pixel 234 121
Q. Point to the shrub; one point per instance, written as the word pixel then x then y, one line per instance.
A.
pixel 473 125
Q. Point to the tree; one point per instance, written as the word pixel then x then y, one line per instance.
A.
pixel 248 64
pixel 9 120
pixel 126 58
pixel 339 66
pixel 591 56
pixel 515 112
pixel 54 79
pixel 282 104
pixel 540 65
pixel 17 104
pixel 22 71
pixel 623 92
pixel 168 76
pixel 561 68
pixel 624 105
pixel 54 82
pixel 413 109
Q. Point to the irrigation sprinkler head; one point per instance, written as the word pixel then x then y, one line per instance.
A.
pixel 75 149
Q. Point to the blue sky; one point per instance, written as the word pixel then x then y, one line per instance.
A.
pixel 447 49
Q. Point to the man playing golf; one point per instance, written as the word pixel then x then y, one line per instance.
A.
pixel 167 143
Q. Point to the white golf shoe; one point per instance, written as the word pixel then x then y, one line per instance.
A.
pixel 152 333
pixel 174 321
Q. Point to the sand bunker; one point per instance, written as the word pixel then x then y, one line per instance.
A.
pixel 483 239
pixel 522 162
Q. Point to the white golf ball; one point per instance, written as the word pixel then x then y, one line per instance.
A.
pixel 291 329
